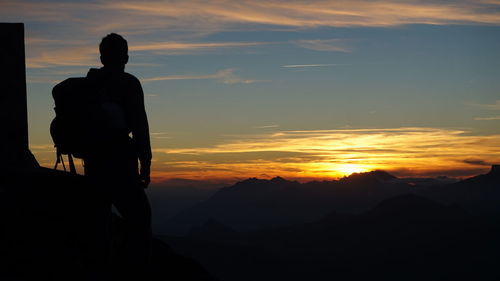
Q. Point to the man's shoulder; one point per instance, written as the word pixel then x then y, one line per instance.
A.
pixel 103 74
pixel 130 78
pixel 128 83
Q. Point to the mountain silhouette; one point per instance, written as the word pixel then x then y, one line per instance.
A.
pixel 409 207
pixel 259 203
pixel 407 237
pixel 479 194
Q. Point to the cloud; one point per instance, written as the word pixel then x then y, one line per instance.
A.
pixel 324 153
pixel 495 106
pixel 487 118
pixel 310 65
pixel 44 53
pixel 225 76
pixel 42 147
pixel 329 45
pixel 477 162
pixel 182 21
pixel 160 135
pixel 219 15
pixel 45 11
pixel 61 55
pixel 266 126
pixel 198 16
pixel 186 47
pixel 309 154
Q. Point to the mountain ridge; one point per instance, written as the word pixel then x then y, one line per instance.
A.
pixel 260 203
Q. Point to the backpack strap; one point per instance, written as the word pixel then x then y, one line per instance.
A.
pixel 60 159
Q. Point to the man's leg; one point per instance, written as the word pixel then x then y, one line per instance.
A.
pixel 133 205
pixel 96 217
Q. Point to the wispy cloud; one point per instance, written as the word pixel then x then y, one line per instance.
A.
pixel 160 135
pixel 228 14
pixel 46 53
pixel 87 22
pixel 61 55
pixel 214 16
pixel 487 118
pixel 225 76
pixel 42 147
pixel 266 126
pixel 330 45
pixel 310 65
pixel 185 47
pixel 495 106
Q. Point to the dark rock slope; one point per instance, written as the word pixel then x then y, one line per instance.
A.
pixel 43 219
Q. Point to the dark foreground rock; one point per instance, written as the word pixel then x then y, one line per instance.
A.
pixel 43 215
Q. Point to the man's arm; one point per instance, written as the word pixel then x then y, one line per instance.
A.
pixel 140 131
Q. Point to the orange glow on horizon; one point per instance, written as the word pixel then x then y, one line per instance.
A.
pixel 325 155
pixel 331 154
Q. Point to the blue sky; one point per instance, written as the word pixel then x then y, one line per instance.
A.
pixel 238 74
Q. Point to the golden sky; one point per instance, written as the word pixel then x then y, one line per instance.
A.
pixel 334 153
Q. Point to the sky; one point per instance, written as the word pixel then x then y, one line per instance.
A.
pixel 298 89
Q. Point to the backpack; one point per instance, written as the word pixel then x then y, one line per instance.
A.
pixel 80 122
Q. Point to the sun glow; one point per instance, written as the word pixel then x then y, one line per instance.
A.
pixel 348 169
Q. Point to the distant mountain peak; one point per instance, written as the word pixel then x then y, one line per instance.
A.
pixel 253 181
pixel 373 175
pixel 278 179
pixel 247 181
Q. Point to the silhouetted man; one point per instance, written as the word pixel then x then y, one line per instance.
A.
pixel 113 163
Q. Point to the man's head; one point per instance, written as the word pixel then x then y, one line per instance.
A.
pixel 114 50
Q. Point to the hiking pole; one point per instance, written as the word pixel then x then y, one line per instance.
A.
pixel 72 168
pixel 57 161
